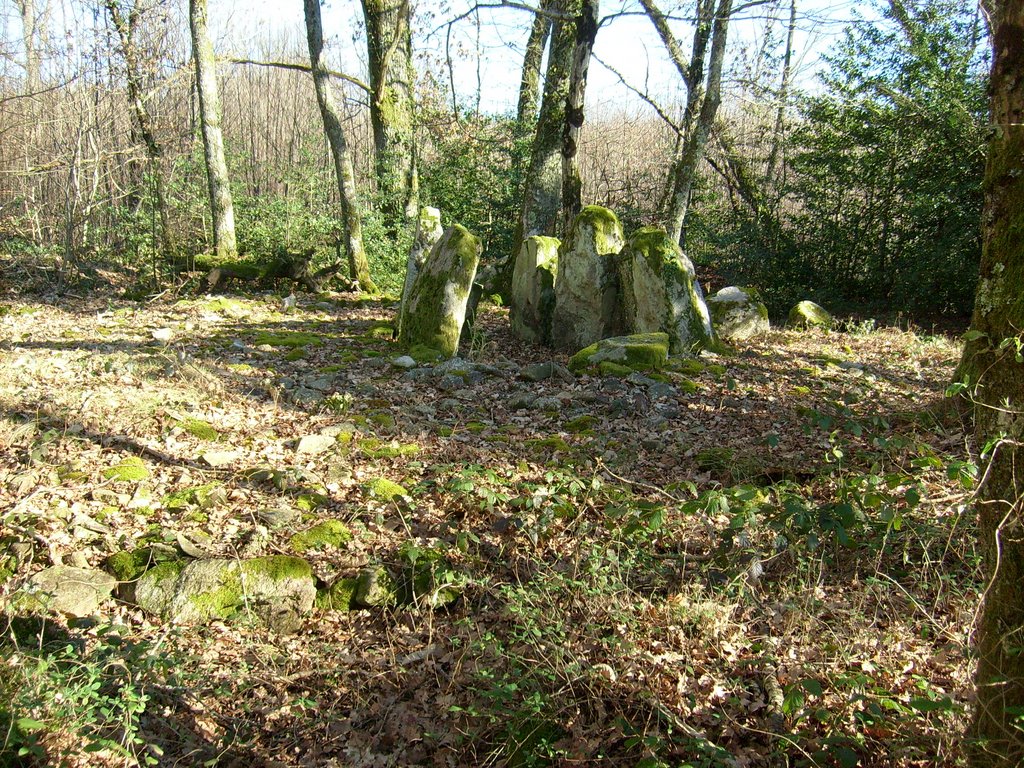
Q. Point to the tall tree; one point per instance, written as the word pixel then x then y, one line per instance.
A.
pixel 572 185
pixel 702 75
pixel 126 26
pixel 542 197
pixel 358 265
pixel 392 79
pixel 994 364
pixel 529 83
pixel 32 32
pixel 217 178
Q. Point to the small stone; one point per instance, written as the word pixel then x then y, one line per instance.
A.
pixel 64 589
pixel 450 382
pixel 405 362
pixel 313 445
pixel 163 334
pixel 521 401
pixel 277 517
pixel 220 458
pixel 547 404
pixel 375 588
pixel 537 372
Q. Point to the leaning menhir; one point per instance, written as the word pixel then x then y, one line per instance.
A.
pixel 533 289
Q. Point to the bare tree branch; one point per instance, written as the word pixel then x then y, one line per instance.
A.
pixel 298 67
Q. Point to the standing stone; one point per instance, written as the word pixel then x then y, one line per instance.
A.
pixel 436 309
pixel 533 289
pixel 738 313
pixel 661 293
pixel 428 232
pixel 587 306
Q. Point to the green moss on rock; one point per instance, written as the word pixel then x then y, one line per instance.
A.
pixel 128 565
pixel 639 352
pixel 329 533
pixel 131 470
pixel 807 314
pixel 338 596
pixel 291 339
pixel 382 488
pixel 200 429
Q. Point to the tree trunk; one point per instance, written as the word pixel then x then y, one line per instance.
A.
pixel 529 84
pixel 572 185
pixel 780 112
pixel 389 45
pixel 701 104
pixel 339 150
pixel 994 366
pixel 217 179
pixel 30 34
pixel 154 152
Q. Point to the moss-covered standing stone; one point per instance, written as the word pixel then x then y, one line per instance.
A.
pixel 661 293
pixel 807 314
pixel 587 290
pixel 738 313
pixel 533 289
pixel 436 308
pixel 428 232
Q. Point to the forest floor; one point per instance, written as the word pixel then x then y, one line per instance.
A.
pixel 764 558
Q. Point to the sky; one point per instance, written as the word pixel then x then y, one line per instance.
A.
pixel 486 47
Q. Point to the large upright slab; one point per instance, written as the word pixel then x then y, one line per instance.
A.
pixel 428 232
pixel 533 289
pixel 661 293
pixel 436 307
pixel 586 292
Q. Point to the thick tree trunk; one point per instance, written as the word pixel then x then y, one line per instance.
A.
pixel 992 362
pixel 392 79
pixel 217 178
pixel 572 185
pixel 701 103
pixel 542 197
pixel 154 152
pixel 339 150
pixel 529 84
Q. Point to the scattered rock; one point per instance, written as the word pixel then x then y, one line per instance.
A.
pixel 537 372
pixel 329 533
pixel 277 517
pixel 315 444
pixel 277 590
pixel 807 314
pixel 375 588
pixel 520 401
pixel 405 362
pixel 64 589
pixel 220 458
pixel 738 313
pixel 623 355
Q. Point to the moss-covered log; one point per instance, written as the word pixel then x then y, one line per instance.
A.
pixel 285 265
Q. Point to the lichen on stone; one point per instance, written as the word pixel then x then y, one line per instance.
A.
pixel 637 352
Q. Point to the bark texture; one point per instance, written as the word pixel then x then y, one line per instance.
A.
pixel 392 78
pixel 125 27
pixel 354 251
pixel 992 362
pixel 217 178
pixel 572 184
pixel 529 84
pixel 702 74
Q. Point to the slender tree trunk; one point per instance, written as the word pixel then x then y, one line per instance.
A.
pixel 701 104
pixel 339 150
pixel 125 28
pixel 217 178
pixel 392 78
pixel 529 84
pixel 780 112
pixel 30 34
pixel 572 185
pixel 994 364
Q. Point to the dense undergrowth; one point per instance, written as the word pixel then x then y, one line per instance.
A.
pixel 766 559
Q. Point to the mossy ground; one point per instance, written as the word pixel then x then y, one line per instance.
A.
pixel 328 534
